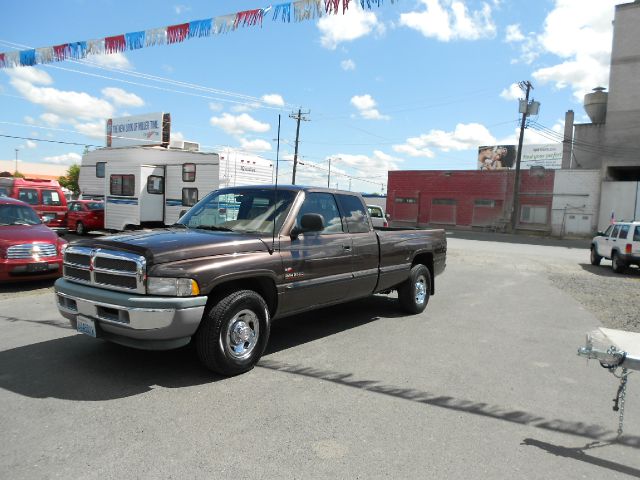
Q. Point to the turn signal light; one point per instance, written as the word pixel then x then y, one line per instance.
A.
pixel 627 249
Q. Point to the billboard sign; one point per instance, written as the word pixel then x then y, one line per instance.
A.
pixel 546 155
pixel 496 157
pixel 501 157
pixel 145 129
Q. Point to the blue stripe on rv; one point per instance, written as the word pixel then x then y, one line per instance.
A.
pixel 173 202
pixel 122 201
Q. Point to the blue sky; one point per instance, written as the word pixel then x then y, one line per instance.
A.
pixel 415 84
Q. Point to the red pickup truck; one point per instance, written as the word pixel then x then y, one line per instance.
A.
pixel 239 259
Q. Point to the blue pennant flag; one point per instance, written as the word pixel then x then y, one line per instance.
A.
pixel 28 58
pixel 284 11
pixel 134 40
pixel 200 28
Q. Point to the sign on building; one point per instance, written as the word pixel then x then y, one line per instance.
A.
pixel 496 157
pixel 500 157
pixel 149 129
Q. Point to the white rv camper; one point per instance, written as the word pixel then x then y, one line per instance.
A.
pixel 147 185
pixel 153 185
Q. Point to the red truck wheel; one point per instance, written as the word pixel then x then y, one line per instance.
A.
pixel 234 333
pixel 414 293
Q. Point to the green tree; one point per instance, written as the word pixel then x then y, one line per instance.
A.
pixel 17 174
pixel 70 180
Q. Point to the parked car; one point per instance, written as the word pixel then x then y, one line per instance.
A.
pixel 85 215
pixel 238 259
pixel 46 197
pixel 378 217
pixel 28 248
pixel 620 243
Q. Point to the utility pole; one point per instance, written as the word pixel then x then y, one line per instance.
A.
pixel 329 175
pixel 526 109
pixel 16 171
pixel 297 116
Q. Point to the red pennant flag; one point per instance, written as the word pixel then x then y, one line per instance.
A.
pixel 60 52
pixel 177 33
pixel 114 44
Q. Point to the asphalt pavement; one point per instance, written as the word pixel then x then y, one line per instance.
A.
pixel 484 384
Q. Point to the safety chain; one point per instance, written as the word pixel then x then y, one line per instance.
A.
pixel 618 402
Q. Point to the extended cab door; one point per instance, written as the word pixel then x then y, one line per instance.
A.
pixel 317 265
pixel 364 246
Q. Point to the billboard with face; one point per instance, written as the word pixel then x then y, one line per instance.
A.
pixel 496 157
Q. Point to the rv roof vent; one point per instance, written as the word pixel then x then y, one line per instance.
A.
pixel 185 145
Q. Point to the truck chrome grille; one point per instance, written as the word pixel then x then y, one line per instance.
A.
pixel 102 268
pixel 31 250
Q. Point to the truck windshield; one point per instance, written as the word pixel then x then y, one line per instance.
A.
pixel 18 215
pixel 240 210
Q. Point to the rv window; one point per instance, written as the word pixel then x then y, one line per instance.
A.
pixel 51 197
pixel 155 184
pixel 100 169
pixel 189 196
pixel 28 195
pixel 189 172
pixel 122 185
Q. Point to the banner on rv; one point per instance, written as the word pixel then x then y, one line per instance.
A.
pixel 149 129
pixel 500 157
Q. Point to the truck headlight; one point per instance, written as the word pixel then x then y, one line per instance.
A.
pixel 174 287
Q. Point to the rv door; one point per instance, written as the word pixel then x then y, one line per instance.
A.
pixel 151 193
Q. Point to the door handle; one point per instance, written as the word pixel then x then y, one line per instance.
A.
pixel 346 247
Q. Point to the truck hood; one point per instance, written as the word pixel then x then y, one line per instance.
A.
pixel 173 244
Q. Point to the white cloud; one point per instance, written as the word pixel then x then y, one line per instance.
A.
pixel 51 119
pixel 355 23
pixel 245 107
pixel 446 21
pixel 273 99
pixel 513 92
pixel 29 120
pixel 464 137
pixel 348 64
pixel 122 98
pixel 239 124
pixel 30 75
pixel 366 107
pixel 63 103
pixel 181 9
pixel 579 32
pixel 31 144
pixel 256 145
pixel 177 137
pixel 513 34
pixel 66 159
pixel 92 129
pixel 216 107
pixel 112 60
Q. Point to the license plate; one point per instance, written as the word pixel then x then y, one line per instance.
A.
pixel 38 267
pixel 87 326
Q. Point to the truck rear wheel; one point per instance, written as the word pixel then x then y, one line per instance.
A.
pixel 234 333
pixel 617 265
pixel 414 293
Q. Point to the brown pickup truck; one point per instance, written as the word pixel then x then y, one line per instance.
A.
pixel 238 259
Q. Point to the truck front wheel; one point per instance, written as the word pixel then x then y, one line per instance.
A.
pixel 414 293
pixel 234 333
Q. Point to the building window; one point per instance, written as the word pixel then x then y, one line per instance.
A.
pixel 406 200
pixel 189 172
pixel 443 201
pixel 533 214
pixel 122 185
pixel 155 184
pixel 189 196
pixel 100 169
pixel 485 203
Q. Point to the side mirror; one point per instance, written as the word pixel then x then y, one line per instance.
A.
pixel 387 216
pixel 182 212
pixel 310 222
pixel 600 234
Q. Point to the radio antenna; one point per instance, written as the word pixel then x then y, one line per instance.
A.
pixel 275 190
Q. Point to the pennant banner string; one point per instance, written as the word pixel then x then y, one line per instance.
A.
pixel 302 10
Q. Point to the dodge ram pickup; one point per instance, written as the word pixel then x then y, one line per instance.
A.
pixel 238 259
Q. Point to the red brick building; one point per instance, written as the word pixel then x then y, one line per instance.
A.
pixel 469 198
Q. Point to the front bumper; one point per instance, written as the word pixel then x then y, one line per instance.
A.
pixel 140 321
pixel 30 268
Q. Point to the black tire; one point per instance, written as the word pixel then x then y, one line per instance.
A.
pixel 80 230
pixel 595 258
pixel 414 293
pixel 234 333
pixel 617 265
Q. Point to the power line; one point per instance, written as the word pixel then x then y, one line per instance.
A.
pixel 50 141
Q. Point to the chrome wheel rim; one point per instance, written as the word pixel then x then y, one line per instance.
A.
pixel 242 334
pixel 420 289
pixel 79 228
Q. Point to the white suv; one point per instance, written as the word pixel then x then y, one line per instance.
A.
pixel 620 243
pixel 378 217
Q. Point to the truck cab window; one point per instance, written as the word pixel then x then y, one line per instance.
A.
pixel 354 213
pixel 325 205
pixel 51 197
pixel 28 195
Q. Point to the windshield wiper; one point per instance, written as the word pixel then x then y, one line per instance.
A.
pixel 213 227
pixel 179 225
